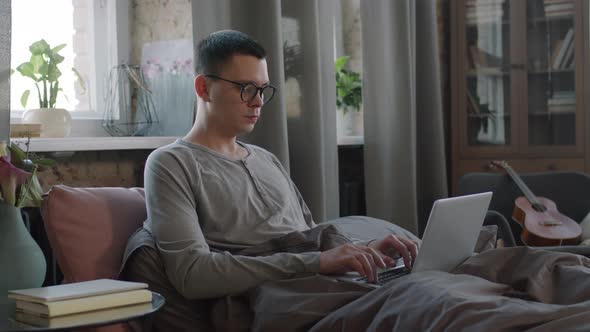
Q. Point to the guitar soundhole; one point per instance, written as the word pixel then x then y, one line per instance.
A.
pixel 551 223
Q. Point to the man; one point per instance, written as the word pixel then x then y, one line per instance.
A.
pixel 209 195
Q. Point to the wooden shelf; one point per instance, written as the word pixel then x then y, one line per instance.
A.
pixel 521 78
pixel 552 71
pixel 536 20
pixel 547 113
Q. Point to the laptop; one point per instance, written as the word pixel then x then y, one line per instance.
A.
pixel 449 238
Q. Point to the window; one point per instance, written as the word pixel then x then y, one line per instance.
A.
pixel 96 35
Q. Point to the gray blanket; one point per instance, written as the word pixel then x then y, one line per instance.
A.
pixel 511 289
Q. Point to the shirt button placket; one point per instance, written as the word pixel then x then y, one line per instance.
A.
pixel 256 183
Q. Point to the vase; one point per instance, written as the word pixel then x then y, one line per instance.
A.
pixel 350 122
pixel 21 260
pixel 55 122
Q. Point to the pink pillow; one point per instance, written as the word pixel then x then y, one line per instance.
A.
pixel 88 228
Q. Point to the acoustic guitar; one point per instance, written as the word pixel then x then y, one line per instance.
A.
pixel 542 224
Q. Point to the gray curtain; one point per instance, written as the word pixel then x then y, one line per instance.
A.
pixel 299 125
pixel 404 141
pixel 5 31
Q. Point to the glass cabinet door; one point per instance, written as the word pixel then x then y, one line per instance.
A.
pixel 487 73
pixel 551 78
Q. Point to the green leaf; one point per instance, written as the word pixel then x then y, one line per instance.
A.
pixel 37 60
pixel 56 58
pixel 17 155
pixel 53 94
pixel 58 48
pixel 32 192
pixel 39 47
pixel 340 62
pixel 27 69
pixel 44 69
pixel 53 74
pixel 348 86
pixel 24 98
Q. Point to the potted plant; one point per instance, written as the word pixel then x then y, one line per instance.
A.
pixel 21 260
pixel 43 69
pixel 348 99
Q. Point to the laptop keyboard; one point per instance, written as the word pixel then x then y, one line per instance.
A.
pixel 387 275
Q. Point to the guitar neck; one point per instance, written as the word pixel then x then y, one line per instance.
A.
pixel 522 186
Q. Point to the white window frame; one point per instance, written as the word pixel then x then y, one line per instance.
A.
pixel 110 36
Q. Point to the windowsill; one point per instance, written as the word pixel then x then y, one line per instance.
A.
pixel 351 140
pixel 121 143
pixel 94 143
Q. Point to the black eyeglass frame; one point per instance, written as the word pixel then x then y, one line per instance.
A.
pixel 259 90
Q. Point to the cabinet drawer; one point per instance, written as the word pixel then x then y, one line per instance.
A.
pixel 523 165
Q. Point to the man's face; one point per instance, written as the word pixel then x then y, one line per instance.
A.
pixel 227 109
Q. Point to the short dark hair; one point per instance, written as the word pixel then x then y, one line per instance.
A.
pixel 215 50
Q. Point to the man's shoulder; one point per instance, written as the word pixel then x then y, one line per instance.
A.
pixel 172 151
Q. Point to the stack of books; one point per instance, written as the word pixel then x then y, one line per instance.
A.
pixel 562 102
pixel 558 8
pixel 484 11
pixel 75 298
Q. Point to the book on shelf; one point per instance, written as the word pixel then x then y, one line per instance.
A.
pixel 483 18
pixel 559 7
pixel 561 101
pixel 555 51
pixel 569 55
pixel 563 96
pixel 561 109
pixel 556 8
pixel 483 12
pixel 79 297
pixel 568 42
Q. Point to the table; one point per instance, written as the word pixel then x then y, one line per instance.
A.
pixel 8 323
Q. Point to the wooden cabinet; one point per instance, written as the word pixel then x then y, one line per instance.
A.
pixel 518 75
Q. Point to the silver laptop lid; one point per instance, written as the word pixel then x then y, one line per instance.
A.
pixel 451 232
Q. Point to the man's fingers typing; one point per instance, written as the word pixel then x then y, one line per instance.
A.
pixel 348 257
pixel 412 246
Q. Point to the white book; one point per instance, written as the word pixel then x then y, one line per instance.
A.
pixel 74 290
pixel 569 54
pixel 561 101
pixel 564 46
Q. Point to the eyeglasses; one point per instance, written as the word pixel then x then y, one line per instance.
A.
pixel 248 91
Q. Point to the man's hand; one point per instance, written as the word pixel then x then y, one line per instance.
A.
pixel 349 257
pixel 391 245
